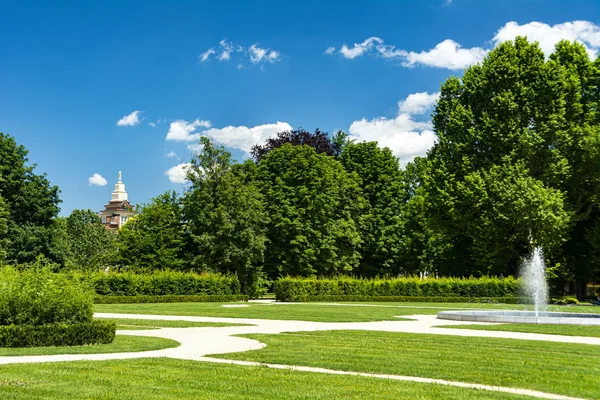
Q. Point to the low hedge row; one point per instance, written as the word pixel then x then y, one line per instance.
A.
pixel 422 299
pixel 164 283
pixel 59 334
pixel 169 299
pixel 305 289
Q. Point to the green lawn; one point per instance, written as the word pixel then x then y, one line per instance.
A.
pixel 168 379
pixel 569 369
pixel 568 330
pixel 320 312
pixel 122 343
pixel 131 324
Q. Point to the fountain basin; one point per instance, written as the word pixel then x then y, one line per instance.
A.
pixel 522 317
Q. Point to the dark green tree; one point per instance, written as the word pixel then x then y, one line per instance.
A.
pixel 155 237
pixel 224 213
pixel 380 223
pixel 312 204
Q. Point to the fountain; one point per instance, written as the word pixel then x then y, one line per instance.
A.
pixel 535 288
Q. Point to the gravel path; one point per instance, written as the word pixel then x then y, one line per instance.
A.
pixel 196 343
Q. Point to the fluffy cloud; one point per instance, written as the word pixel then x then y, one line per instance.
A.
pixel 182 131
pixel 405 136
pixel 584 32
pixel 451 55
pixel 130 120
pixel 360 48
pixel 254 54
pixel 178 173
pixel 97 180
pixel 243 137
pixel 171 154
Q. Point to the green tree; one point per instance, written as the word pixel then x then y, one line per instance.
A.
pixel 4 215
pixel 380 223
pixel 155 237
pixel 31 200
pixel 224 213
pixel 312 204
pixel 511 168
pixel 90 245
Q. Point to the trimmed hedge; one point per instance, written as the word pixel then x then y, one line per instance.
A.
pixel 169 299
pixel 307 289
pixel 164 283
pixel 59 334
pixel 423 299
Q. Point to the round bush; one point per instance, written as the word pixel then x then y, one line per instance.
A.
pixel 37 296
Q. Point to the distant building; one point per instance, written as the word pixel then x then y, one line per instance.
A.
pixel 118 210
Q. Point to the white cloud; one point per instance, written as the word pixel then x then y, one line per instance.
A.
pixel 359 48
pixel 195 148
pixel 130 120
pixel 171 154
pixel 447 54
pixel 406 137
pixel 152 124
pixel 182 131
pixel 97 180
pixel 253 54
pixel 548 36
pixel 178 173
pixel 330 51
pixel 243 137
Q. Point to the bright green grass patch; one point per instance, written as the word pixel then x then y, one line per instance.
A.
pixel 168 379
pixel 121 344
pixel 138 324
pixel 319 312
pixel 569 369
pixel 568 330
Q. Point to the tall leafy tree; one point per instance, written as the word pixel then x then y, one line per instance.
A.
pixel 381 182
pixel 31 200
pixel 318 140
pixel 155 237
pixel 224 213
pixel 4 215
pixel 508 170
pixel 312 204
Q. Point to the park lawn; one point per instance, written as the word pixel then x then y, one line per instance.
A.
pixel 122 343
pixel 550 329
pixel 318 312
pixel 169 379
pixel 568 369
pixel 138 324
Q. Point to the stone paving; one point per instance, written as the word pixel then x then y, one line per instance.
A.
pixel 197 343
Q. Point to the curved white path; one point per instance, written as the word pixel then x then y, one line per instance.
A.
pixel 196 343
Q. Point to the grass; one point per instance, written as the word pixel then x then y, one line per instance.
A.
pixel 136 324
pixel 122 343
pixel 153 379
pixel 319 312
pixel 567 330
pixel 569 369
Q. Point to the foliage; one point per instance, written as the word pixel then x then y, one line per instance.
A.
pixel 4 215
pixel 304 289
pixel 31 201
pixel 312 204
pixel 416 299
pixel 318 140
pixel 155 237
pixel 515 162
pixel 212 298
pixel 162 283
pixel 225 217
pixel 380 222
pixel 58 334
pixel 37 296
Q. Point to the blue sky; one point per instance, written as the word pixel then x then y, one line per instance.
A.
pixel 238 72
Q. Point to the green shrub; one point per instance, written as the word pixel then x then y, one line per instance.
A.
pixel 58 334
pixel 163 283
pixel 169 299
pixel 307 289
pixel 422 299
pixel 37 296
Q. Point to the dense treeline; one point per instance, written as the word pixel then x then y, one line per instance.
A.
pixel 516 165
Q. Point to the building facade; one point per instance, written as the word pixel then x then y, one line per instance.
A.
pixel 118 210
